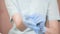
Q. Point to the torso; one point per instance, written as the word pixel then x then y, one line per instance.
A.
pixel 33 6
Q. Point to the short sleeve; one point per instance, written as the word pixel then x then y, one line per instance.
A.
pixel 11 6
pixel 59 18
pixel 53 11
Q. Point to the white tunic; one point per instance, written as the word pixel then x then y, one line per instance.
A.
pixel 44 7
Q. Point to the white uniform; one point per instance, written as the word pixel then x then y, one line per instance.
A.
pixel 44 7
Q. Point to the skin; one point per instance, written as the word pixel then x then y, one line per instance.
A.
pixel 18 21
pixel 52 29
pixel 0 33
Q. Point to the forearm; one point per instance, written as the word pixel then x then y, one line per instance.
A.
pixel 53 27
pixel 19 23
pixel 21 27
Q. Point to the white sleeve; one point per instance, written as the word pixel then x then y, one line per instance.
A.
pixel 53 11
pixel 11 6
pixel 59 17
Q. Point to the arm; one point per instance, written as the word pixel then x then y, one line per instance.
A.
pixel 53 27
pixel 12 8
pixel 53 14
pixel 18 21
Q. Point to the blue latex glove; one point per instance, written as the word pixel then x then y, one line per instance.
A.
pixel 35 22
